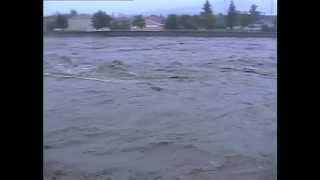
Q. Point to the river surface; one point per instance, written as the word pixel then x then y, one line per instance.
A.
pixel 144 108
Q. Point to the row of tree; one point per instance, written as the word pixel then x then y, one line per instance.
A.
pixel 207 20
pixel 103 20
pixel 99 20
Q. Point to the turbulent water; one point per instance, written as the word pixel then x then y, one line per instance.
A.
pixel 144 108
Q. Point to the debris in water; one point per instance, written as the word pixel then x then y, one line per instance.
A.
pixel 178 77
pixel 114 65
pixel 117 62
pixel 156 88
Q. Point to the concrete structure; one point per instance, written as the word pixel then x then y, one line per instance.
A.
pixel 152 25
pixel 80 23
pixel 75 23
pixel 267 20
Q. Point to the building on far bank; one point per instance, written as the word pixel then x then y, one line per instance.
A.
pixel 153 23
pixel 75 23
pixel 267 20
pixel 80 23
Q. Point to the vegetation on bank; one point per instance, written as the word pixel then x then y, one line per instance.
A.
pixel 60 22
pixel 101 20
pixel 138 21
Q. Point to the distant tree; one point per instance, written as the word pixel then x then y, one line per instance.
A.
pixel 101 20
pixel 50 26
pixel 231 19
pixel 139 21
pixel 244 19
pixel 61 22
pixel 254 14
pixel 188 22
pixel 275 22
pixel 73 13
pixel 172 22
pixel 207 17
pixel 207 8
pixel 196 20
pixel 123 24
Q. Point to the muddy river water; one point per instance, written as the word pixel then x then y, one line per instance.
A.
pixel 144 108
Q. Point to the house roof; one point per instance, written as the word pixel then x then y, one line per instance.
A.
pixel 152 22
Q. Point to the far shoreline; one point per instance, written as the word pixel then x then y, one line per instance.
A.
pixel 179 33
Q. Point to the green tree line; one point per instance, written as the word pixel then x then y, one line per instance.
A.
pixel 99 20
pixel 208 20
pixel 205 20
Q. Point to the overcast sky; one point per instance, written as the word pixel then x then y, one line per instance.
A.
pixel 152 6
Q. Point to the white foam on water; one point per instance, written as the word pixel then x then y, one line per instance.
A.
pixel 90 78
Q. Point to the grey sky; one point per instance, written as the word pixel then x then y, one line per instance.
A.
pixel 152 6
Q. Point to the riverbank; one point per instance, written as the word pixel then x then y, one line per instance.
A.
pixel 183 33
